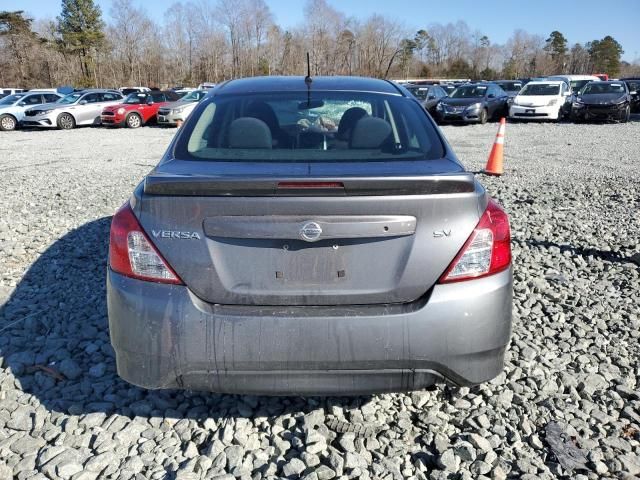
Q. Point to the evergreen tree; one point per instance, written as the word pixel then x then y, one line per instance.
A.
pixel 556 47
pixel 605 55
pixel 81 31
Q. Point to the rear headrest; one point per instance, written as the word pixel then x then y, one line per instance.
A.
pixel 369 132
pixel 248 132
pixel 348 120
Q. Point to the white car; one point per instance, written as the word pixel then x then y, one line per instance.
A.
pixel 576 82
pixel 12 107
pixel 541 100
pixel 77 108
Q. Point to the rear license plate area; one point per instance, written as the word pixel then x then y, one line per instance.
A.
pixel 310 264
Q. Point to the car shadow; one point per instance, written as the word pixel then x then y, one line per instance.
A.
pixel 608 256
pixel 54 340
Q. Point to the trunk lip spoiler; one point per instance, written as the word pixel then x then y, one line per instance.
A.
pixel 210 185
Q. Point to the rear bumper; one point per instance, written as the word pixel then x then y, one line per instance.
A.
pixel 112 120
pixel 165 337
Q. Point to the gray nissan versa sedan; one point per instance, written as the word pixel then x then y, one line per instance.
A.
pixel 309 236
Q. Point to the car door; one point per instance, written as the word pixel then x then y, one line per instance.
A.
pixel 85 110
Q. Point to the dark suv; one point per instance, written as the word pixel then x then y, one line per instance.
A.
pixel 309 237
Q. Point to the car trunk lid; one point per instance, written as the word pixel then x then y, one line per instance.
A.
pixel 309 239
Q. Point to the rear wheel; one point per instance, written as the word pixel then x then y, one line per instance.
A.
pixel 66 121
pixel 484 116
pixel 8 122
pixel 133 120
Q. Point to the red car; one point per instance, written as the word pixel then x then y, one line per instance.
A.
pixel 138 109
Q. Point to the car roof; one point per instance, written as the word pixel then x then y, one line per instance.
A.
pixel 574 77
pixel 534 82
pixel 297 83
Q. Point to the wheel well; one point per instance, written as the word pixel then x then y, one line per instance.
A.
pixel 62 113
pixel 137 114
pixel 8 115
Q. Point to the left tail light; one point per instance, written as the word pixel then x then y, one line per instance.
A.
pixel 487 251
pixel 131 252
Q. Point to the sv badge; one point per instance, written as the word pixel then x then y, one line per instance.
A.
pixel 441 233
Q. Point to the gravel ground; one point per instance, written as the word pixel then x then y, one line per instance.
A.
pixel 567 404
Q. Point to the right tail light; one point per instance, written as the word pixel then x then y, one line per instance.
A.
pixel 487 251
pixel 131 252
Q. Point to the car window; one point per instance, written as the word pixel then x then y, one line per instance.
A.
pixel 325 126
pixel 158 97
pixel 32 99
pixel 110 97
pixel 469 91
pixel 49 97
pixel 541 89
pixel 602 87
pixel 92 98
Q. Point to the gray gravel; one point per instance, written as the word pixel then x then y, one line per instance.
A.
pixel 573 195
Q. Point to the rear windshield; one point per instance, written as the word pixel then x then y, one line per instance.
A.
pixel 540 89
pixel 601 87
pixel 469 91
pixel 510 86
pixel 576 85
pixel 419 92
pixel 315 127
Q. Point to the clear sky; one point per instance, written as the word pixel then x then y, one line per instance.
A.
pixel 579 21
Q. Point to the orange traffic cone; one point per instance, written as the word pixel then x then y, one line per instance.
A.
pixel 496 157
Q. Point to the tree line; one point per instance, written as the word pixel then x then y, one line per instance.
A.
pixel 215 40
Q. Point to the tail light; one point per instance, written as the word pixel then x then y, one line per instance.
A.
pixel 487 251
pixel 132 254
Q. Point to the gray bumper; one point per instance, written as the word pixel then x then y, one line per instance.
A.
pixel 165 337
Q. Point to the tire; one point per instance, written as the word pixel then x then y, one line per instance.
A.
pixel 484 116
pixel 133 120
pixel 627 115
pixel 560 116
pixel 8 122
pixel 66 121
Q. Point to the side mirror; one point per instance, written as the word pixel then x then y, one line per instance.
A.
pixel 82 102
pixel 22 104
pixel 431 97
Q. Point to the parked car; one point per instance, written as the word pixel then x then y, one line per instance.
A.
pixel 602 76
pixel 602 101
pixel 78 108
pixel 542 100
pixel 137 109
pixel 427 95
pixel 511 87
pixel 129 90
pixel 6 91
pixel 633 84
pixel 173 113
pixel 576 82
pixel 12 107
pixel 244 261
pixel 448 87
pixel 473 103
pixel 181 92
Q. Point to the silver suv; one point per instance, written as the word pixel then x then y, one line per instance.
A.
pixel 77 108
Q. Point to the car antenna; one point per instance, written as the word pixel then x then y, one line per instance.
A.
pixel 308 81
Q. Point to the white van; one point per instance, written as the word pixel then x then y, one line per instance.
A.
pixel 576 82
